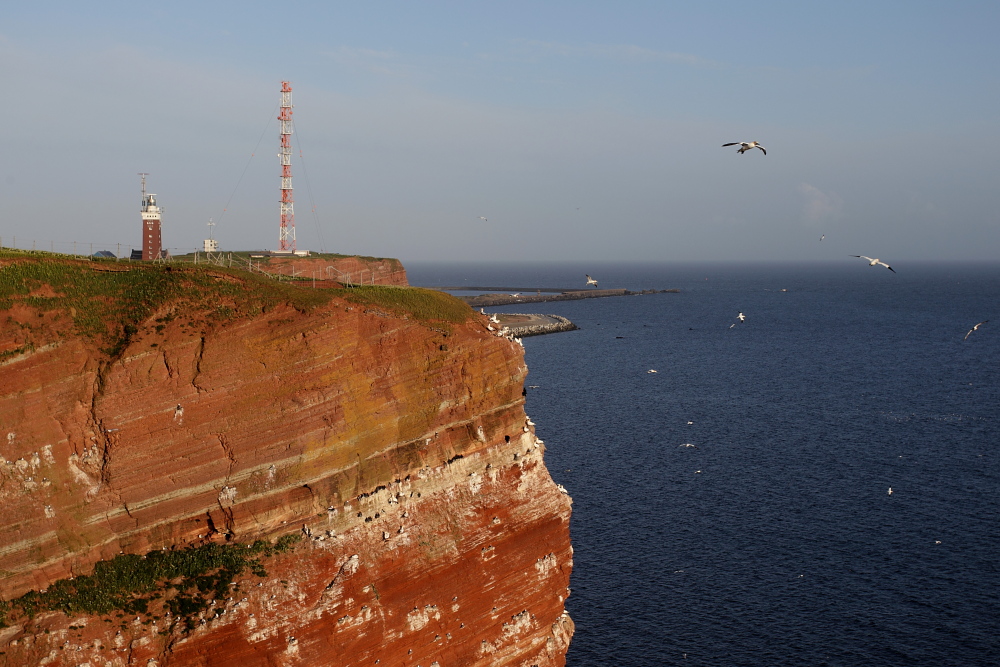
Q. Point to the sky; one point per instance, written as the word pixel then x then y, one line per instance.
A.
pixel 581 131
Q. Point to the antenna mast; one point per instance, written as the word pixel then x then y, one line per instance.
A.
pixel 286 233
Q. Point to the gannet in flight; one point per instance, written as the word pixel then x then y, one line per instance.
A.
pixel 591 281
pixel 872 261
pixel 745 146
pixel 975 328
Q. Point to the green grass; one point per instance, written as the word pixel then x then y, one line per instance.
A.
pixel 108 300
pixel 187 580
pixel 422 304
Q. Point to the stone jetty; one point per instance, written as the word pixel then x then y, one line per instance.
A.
pixel 521 325
pixel 542 296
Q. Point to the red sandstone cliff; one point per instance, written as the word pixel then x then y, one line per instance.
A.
pixel 346 270
pixel 383 425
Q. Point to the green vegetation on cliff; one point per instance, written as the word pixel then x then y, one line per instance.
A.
pixel 423 304
pixel 108 301
pixel 187 580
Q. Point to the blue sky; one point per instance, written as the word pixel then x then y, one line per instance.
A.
pixel 582 131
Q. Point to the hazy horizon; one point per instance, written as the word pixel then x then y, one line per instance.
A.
pixel 582 131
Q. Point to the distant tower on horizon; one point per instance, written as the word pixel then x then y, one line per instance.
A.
pixel 152 246
pixel 286 233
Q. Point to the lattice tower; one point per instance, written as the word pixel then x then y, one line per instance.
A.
pixel 286 234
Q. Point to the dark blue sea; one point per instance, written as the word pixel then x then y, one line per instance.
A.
pixel 774 540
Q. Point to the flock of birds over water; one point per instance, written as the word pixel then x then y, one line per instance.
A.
pixel 745 146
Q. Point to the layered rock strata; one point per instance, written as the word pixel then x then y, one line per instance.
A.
pixel 395 444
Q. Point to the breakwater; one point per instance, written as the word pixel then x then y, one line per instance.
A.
pixel 485 300
pixel 521 325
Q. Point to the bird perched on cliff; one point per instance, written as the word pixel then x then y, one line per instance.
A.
pixel 974 329
pixel 874 261
pixel 745 146
pixel 591 281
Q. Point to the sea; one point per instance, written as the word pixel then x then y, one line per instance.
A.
pixel 734 507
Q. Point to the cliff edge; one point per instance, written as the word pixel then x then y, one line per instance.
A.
pixel 201 466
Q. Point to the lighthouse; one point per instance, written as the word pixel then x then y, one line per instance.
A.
pixel 152 247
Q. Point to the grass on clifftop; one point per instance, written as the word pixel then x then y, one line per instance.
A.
pixel 107 300
pixel 187 580
pixel 423 304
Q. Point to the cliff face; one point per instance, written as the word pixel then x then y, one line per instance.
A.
pixel 347 270
pixel 385 427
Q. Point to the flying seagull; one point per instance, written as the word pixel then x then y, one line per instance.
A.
pixel 741 317
pixel 975 328
pixel 591 281
pixel 745 146
pixel 822 237
pixel 872 261
pixel 483 218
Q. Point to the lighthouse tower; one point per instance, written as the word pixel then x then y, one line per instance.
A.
pixel 151 242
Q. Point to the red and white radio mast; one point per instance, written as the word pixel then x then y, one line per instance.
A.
pixel 286 235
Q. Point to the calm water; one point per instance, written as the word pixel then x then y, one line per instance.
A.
pixel 786 548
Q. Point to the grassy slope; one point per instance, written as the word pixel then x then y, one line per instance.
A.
pixel 108 300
